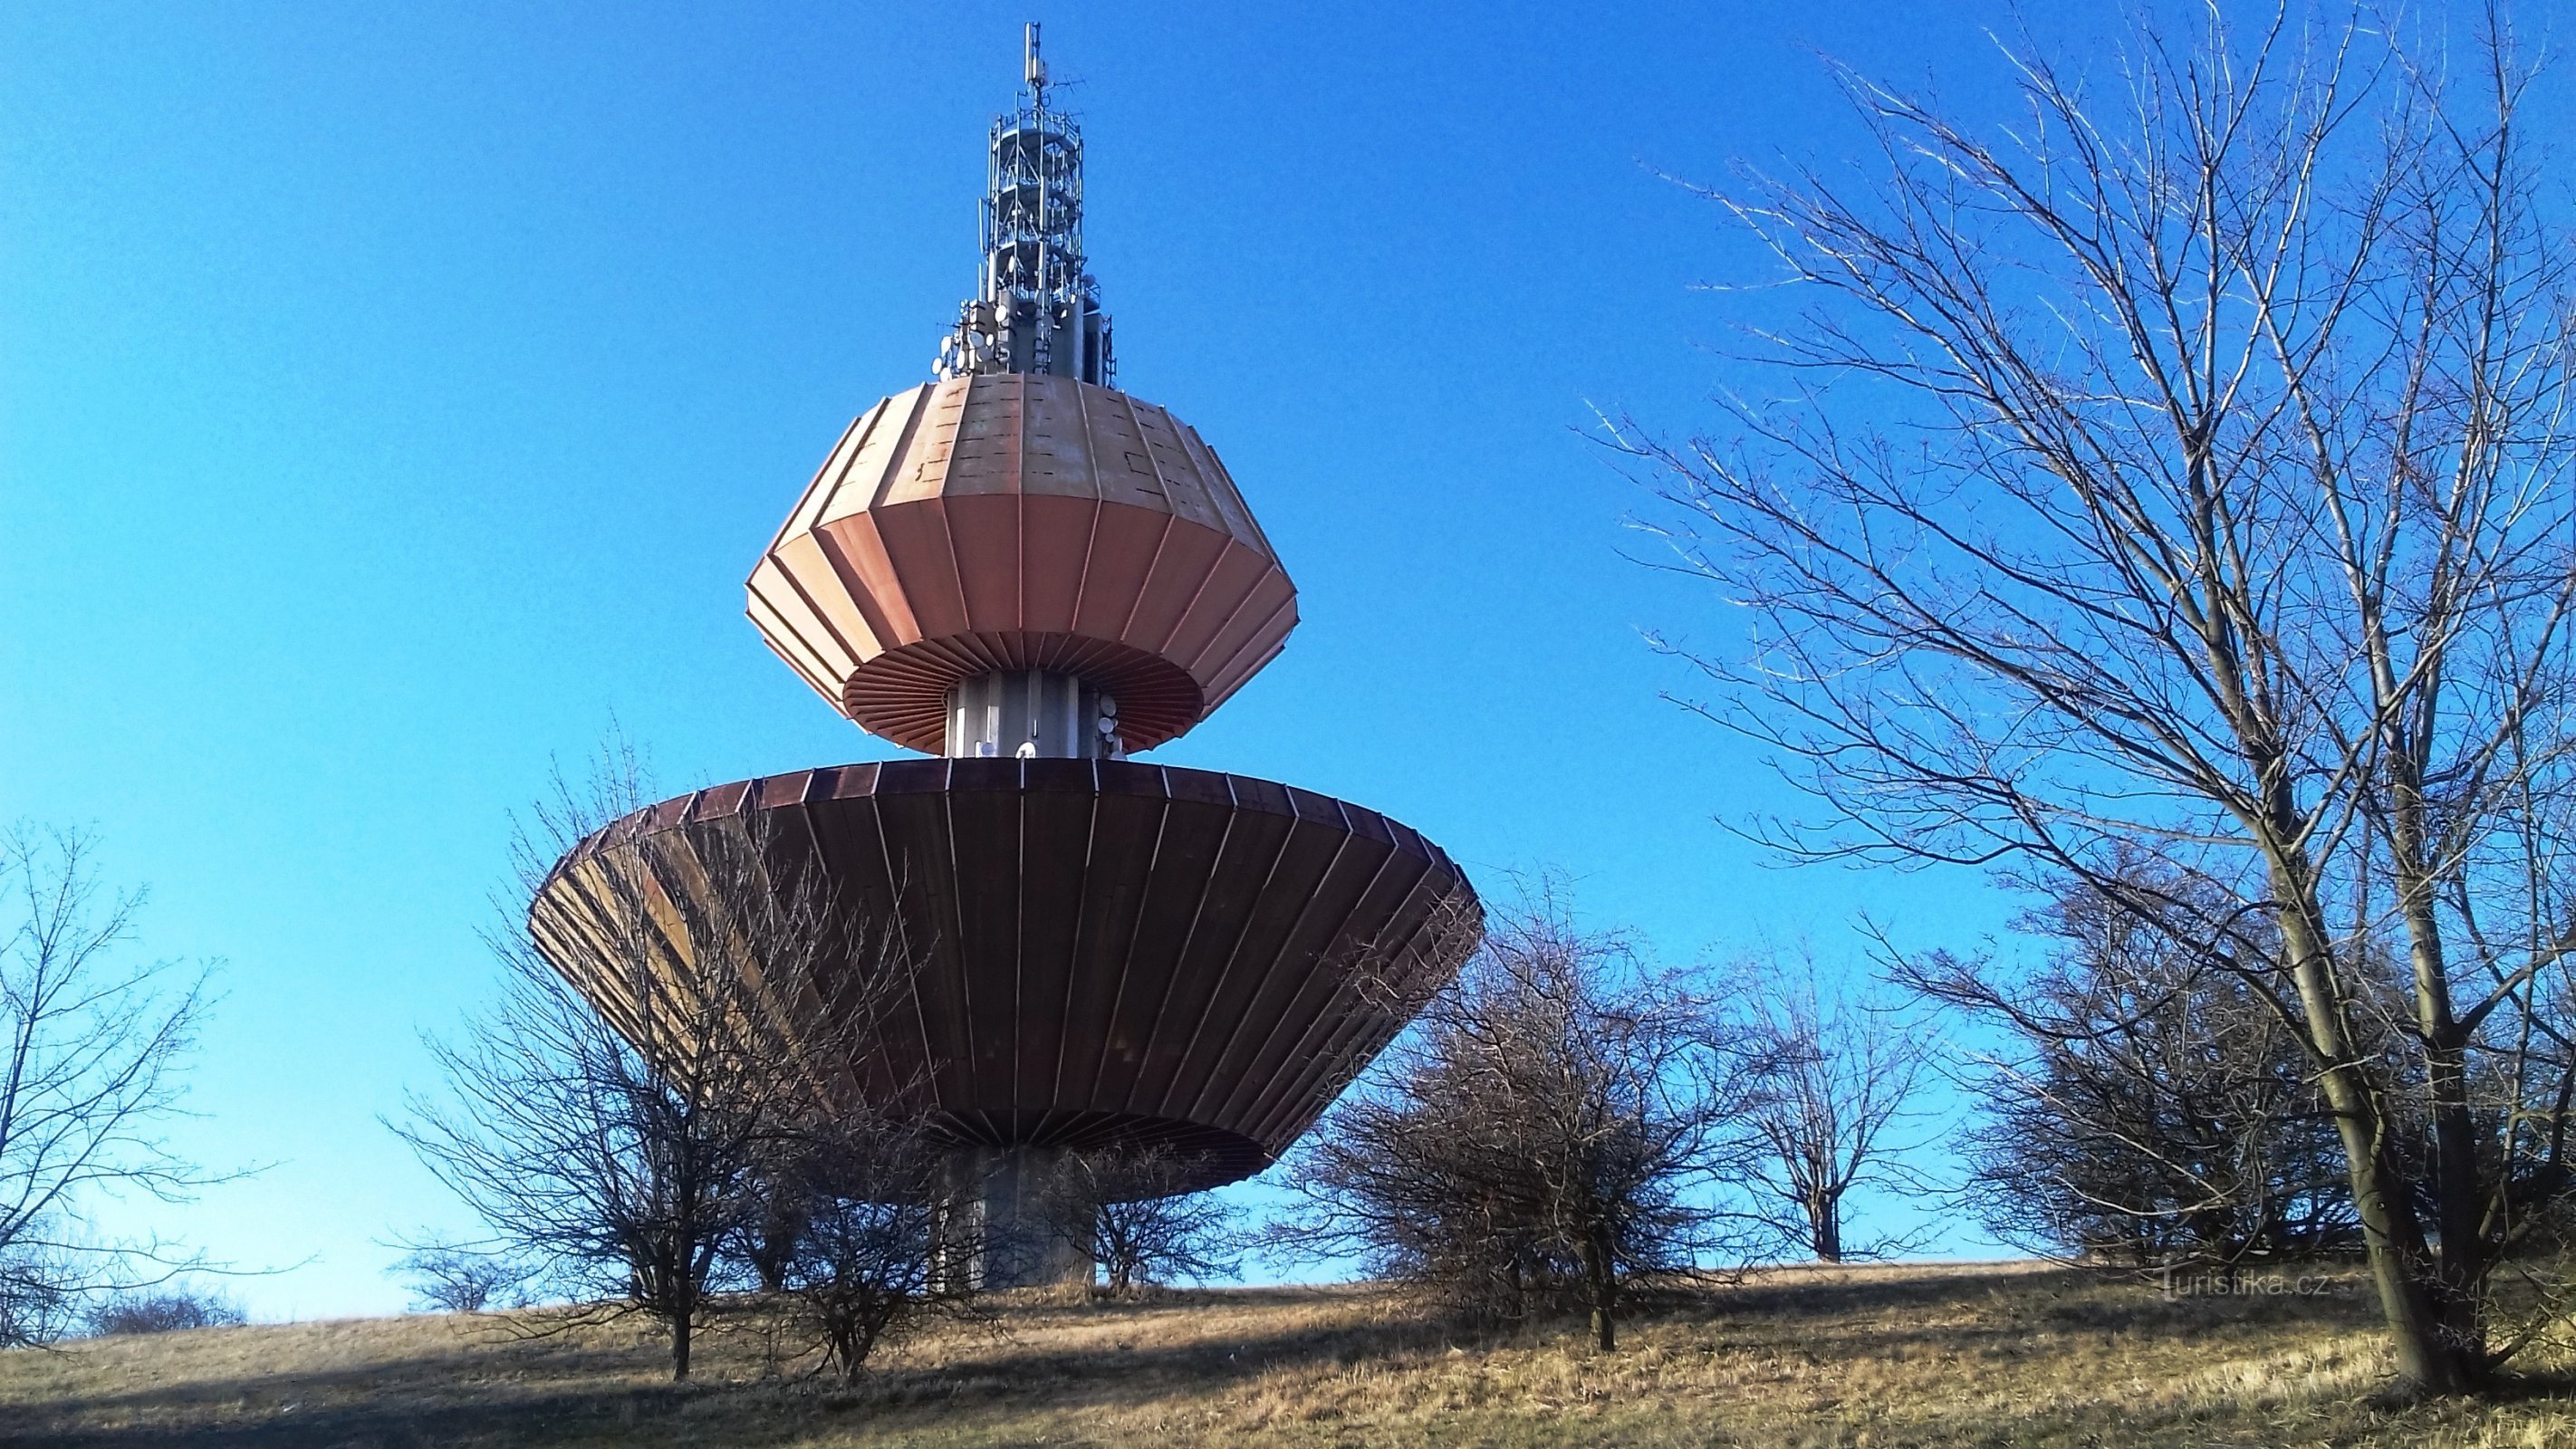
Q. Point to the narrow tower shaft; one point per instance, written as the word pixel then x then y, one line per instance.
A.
pixel 1036 309
pixel 1031 714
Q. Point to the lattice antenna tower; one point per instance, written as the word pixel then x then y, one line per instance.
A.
pixel 1036 309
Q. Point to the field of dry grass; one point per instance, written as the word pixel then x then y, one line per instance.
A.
pixel 1992 1355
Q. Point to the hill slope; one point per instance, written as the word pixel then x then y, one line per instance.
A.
pixel 1999 1355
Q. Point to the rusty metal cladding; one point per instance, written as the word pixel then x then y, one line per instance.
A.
pixel 1021 521
pixel 1108 953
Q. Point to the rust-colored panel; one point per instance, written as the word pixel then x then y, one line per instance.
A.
pixel 808 668
pixel 1221 492
pixel 1250 851
pixel 860 566
pixel 1268 609
pixel 983 802
pixel 985 530
pixel 788 621
pixel 717 801
pixel 1247 665
pixel 1263 959
pixel 1120 557
pixel 918 468
pixel 916 542
pixel 1397 926
pixel 1056 809
pixel 1055 547
pixel 887 442
pixel 1183 489
pixel 817 496
pixel 1352 997
pixel 986 455
pixel 1192 838
pixel 1057 460
pixel 1127 825
pixel 1220 602
pixel 922 861
pixel 829 602
pixel 1296 995
pixel 1181 568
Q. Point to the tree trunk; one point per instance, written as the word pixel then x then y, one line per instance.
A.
pixel 1602 1286
pixel 2459 1272
pixel 2400 1266
pixel 1825 1218
pixel 855 1347
pixel 684 1310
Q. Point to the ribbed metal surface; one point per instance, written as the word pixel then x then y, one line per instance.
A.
pixel 1109 953
pixel 1016 522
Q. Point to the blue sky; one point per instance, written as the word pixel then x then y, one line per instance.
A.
pixel 389 398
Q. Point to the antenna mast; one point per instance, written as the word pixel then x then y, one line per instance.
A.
pixel 1035 308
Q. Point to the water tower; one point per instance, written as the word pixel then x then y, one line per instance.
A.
pixel 1028 577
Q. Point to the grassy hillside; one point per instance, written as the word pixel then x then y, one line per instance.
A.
pixel 2002 1355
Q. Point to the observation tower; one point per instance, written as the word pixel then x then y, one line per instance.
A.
pixel 1028 577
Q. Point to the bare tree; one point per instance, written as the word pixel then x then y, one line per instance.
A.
pixel 2145 1106
pixel 2186 468
pixel 620 1150
pixel 1536 1134
pixel 864 1265
pixel 1842 1077
pixel 1134 1215
pixel 447 1277
pixel 782 1205
pixel 91 1047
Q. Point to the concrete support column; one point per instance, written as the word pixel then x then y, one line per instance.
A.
pixel 1031 714
pixel 992 1229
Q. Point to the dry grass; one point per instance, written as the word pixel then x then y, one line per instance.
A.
pixel 1996 1355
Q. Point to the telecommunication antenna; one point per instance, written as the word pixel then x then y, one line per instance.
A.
pixel 1035 308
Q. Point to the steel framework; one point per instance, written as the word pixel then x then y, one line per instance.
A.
pixel 1035 308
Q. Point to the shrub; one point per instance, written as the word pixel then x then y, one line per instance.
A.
pixel 164 1312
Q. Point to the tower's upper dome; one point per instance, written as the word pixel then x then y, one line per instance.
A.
pixel 1021 521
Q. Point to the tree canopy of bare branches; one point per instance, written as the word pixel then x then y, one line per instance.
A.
pixel 1841 1078
pixel 621 1154
pixel 1536 1134
pixel 90 1078
pixel 2147 1108
pixel 447 1277
pixel 2184 467
pixel 864 1264
pixel 1132 1213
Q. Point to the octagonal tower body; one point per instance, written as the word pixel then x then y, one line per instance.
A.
pixel 1006 523
pixel 1033 575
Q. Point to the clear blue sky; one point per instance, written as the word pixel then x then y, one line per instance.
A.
pixel 389 396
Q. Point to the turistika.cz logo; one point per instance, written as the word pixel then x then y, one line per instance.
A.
pixel 2241 1285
